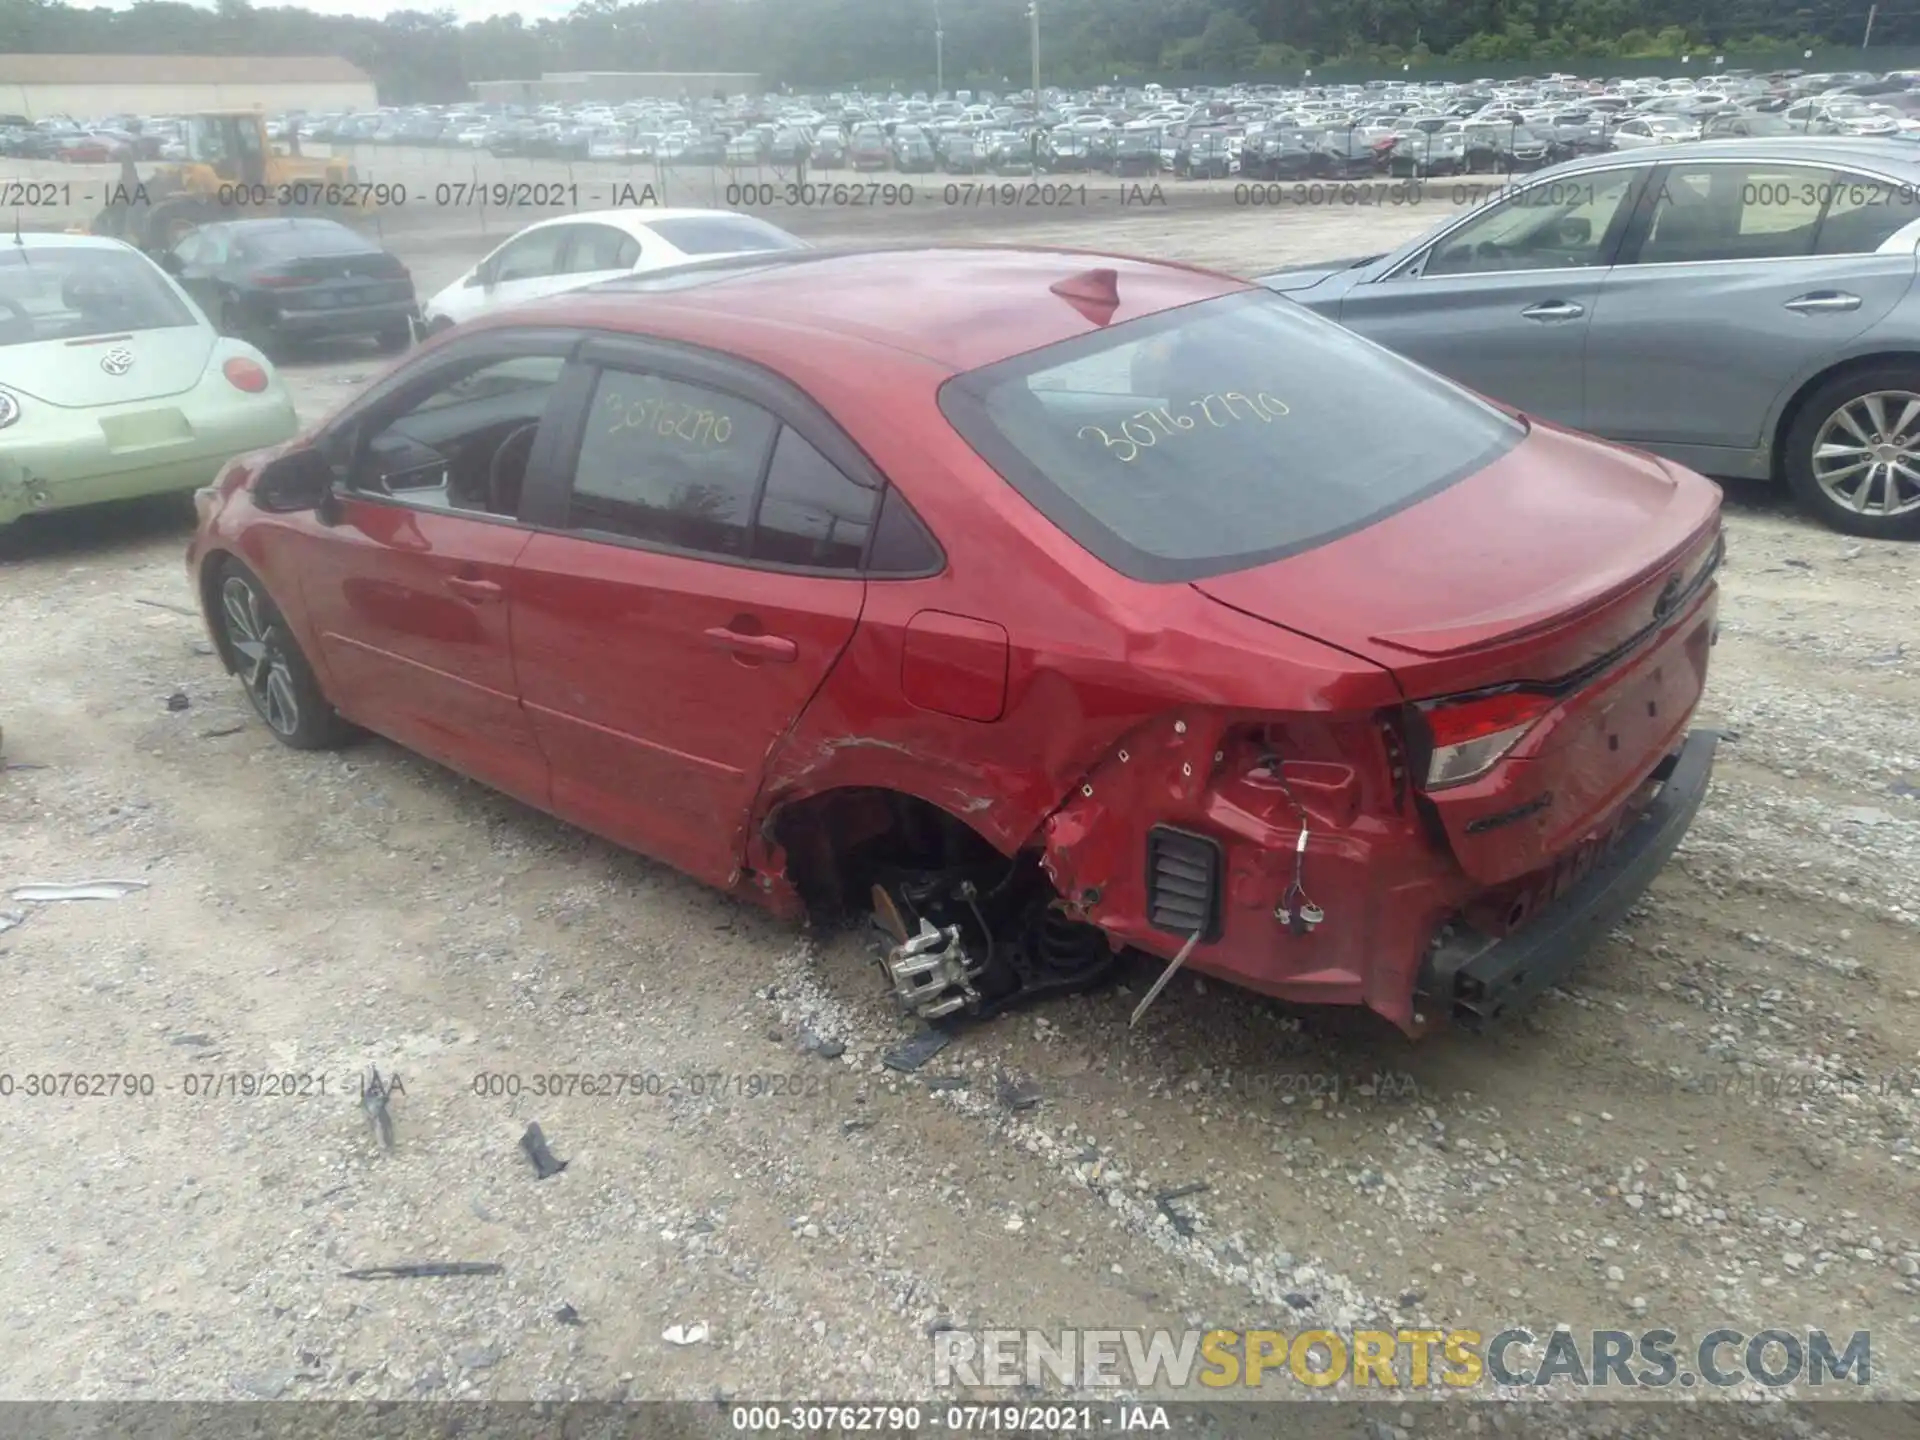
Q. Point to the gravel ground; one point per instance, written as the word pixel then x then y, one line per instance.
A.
pixel 1715 1124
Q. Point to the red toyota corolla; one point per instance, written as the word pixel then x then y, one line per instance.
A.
pixel 1041 604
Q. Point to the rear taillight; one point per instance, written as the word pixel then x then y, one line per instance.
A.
pixel 243 374
pixel 1469 735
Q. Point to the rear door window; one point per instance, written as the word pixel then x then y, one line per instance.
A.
pixel 1708 212
pixel 811 513
pixel 1864 212
pixel 1221 435
pixel 601 247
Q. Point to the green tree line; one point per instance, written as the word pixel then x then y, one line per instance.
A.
pixel 419 55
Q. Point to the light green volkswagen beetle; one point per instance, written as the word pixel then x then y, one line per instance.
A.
pixel 113 384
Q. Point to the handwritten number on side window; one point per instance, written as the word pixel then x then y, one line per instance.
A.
pixel 668 419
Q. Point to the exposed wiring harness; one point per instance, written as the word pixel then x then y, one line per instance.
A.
pixel 1295 910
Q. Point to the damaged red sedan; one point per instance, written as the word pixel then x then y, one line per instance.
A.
pixel 1041 604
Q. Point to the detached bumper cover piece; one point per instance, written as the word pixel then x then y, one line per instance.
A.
pixel 1495 978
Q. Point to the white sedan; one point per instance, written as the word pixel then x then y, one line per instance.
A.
pixel 572 251
pixel 1645 130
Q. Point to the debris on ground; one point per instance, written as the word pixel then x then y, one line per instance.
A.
pixel 545 1162
pixel 1018 1094
pixel 42 894
pixel 166 605
pixel 1181 1222
pixel 425 1270
pixel 694 1334
pixel 373 1099
pixel 912 1053
pixel 178 701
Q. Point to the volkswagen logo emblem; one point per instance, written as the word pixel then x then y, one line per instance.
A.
pixel 117 361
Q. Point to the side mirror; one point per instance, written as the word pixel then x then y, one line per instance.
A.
pixel 298 480
pixel 481 276
pixel 170 262
pixel 1575 230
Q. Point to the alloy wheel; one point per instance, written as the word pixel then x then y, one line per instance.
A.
pixel 1866 457
pixel 258 647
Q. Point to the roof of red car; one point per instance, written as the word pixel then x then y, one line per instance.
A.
pixel 958 307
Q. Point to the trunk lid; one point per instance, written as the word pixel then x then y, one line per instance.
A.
pixel 1307 276
pixel 334 281
pixel 1567 564
pixel 77 374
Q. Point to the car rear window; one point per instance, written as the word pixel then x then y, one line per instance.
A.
pixel 71 292
pixel 723 234
pixel 1221 435
pixel 296 239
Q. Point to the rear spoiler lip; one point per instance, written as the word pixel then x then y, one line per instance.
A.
pixel 1438 645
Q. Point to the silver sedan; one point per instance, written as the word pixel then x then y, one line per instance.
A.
pixel 1745 307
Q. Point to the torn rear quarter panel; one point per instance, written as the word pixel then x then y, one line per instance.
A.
pixel 1079 678
pixel 1250 783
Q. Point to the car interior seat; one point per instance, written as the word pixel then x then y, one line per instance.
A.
pixel 1691 226
pixel 108 307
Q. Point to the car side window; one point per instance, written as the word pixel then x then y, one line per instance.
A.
pixel 669 463
pixel 1863 213
pixel 601 247
pixel 1734 212
pixel 1554 225
pixel 902 544
pixel 531 256
pixel 811 513
pixel 465 444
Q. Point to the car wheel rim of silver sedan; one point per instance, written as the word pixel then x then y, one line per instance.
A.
pixel 262 662
pixel 1867 454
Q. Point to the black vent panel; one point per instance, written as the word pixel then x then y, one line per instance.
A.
pixel 1183 882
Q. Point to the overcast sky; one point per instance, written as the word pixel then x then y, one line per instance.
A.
pixel 466 9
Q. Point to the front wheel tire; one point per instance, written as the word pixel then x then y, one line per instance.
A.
pixel 1853 454
pixel 267 660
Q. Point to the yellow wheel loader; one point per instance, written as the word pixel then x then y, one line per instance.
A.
pixel 231 171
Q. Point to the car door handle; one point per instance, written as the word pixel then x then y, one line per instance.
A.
pixel 472 589
pixel 1821 301
pixel 1554 310
pixel 756 647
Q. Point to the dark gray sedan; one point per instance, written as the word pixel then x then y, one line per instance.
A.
pixel 1745 307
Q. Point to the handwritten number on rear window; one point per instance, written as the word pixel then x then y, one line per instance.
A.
pixel 1144 429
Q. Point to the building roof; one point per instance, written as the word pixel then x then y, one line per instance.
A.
pixel 650 75
pixel 123 70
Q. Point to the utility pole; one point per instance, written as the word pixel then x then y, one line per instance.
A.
pixel 1033 17
pixel 939 54
pixel 1867 39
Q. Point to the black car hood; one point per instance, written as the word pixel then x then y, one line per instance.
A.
pixel 1305 277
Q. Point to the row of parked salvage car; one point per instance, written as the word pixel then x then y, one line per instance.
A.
pixel 1050 638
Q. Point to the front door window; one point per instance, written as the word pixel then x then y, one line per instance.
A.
pixel 1555 225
